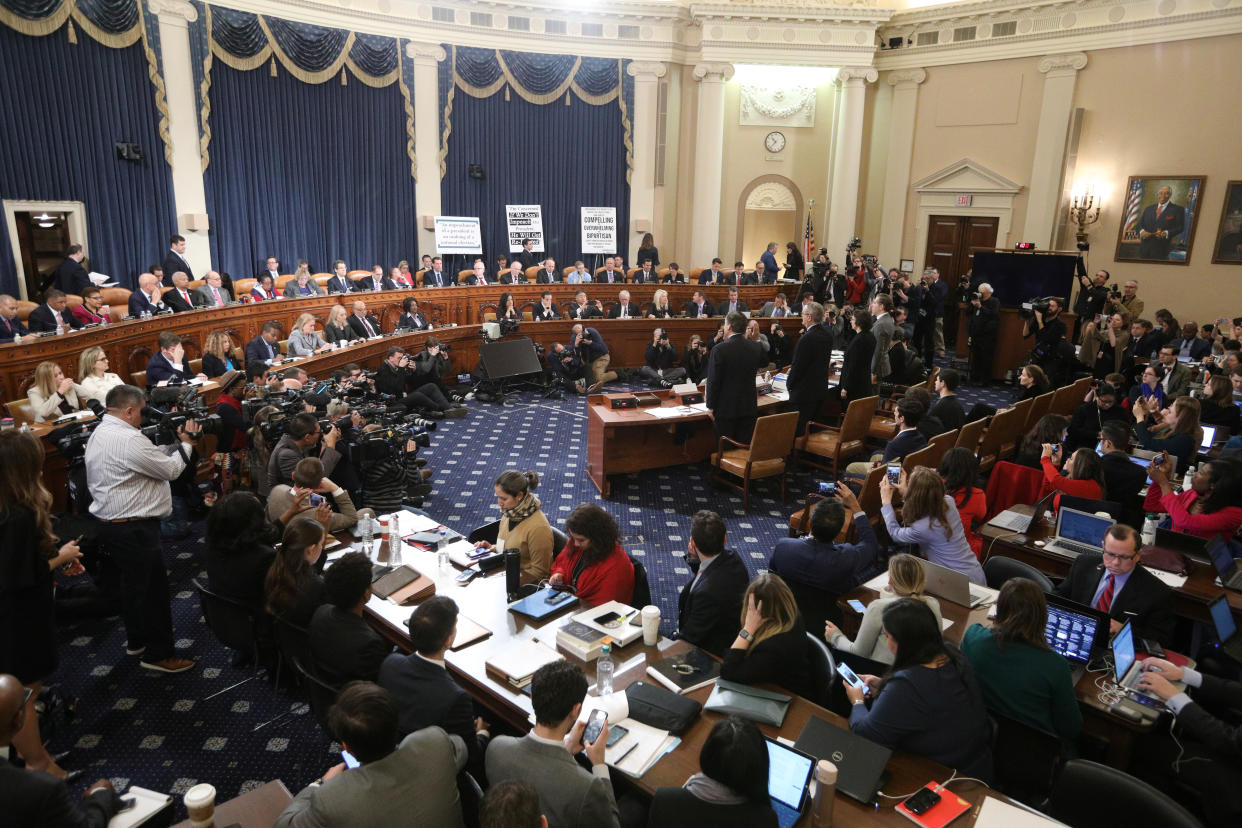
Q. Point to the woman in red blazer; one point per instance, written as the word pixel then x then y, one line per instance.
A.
pixel 1084 474
pixel 593 561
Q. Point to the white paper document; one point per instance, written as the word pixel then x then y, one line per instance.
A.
pixel 640 748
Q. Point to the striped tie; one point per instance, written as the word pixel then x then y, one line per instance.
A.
pixel 1106 597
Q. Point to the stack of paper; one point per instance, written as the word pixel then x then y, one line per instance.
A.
pixel 641 747
pixel 517 663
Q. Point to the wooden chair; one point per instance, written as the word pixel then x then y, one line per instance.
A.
pixel 463 274
pixel 969 434
pixel 197 283
pixel 800 521
pixel 925 456
pixel 196 366
pixel 1025 407
pixel 22 412
pixel 117 300
pixel 418 277
pixel 883 425
pixel 837 444
pixel 139 378
pixel 942 443
pixel 355 275
pixel 693 277
pixel 1039 407
pixel 1004 429
pixel 532 273
pixel 322 280
pixel 24 308
pixel 1065 399
pixel 766 456
pixel 869 498
pixel 281 282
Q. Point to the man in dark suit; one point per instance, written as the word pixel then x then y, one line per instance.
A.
pixel 340 283
pixel 711 602
pixel 362 323
pixel 526 256
pixel 548 275
pixel 610 275
pixel 10 325
pixel 52 314
pixel 1176 380
pixel 425 693
pixel 343 645
pixel 147 298
pixel 733 305
pixel 377 281
pixel 263 348
pixel 546 310
pixel 213 294
pixel 699 306
pixel 169 364
pixel 271 267
pixel 512 276
pixel 1159 224
pixel 1123 480
pixel 808 370
pixel 1115 584
pixel 770 269
pixel 1190 345
pixel 624 308
pixel 580 308
pixel 1145 340
pixel 180 298
pixel 818 560
pixel 646 274
pixel 175 260
pixel 69 276
pixel 436 277
pixel 948 409
pixel 479 274
pixel 731 369
pixel 713 274
pixel 31 797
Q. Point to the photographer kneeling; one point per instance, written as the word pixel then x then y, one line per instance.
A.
pixel 302 434
pixel 398 378
pixel 431 364
pixel 660 356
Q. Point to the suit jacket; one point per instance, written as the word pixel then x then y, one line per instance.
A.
pixel 647 277
pixel 8 327
pixel 1144 595
pixel 832 567
pixel 543 278
pixel 205 298
pixel 140 304
pixel 333 334
pixel 904 443
pixel 416 784
pixel 173 263
pixel 446 279
pixel 692 310
pixel 577 311
pixel 769 309
pixel 731 369
pixel 416 321
pixel 770 268
pixel 472 280
pixel 369 284
pixel 546 314
pixel 41 319
pixel 856 369
pixel 179 305
pixel 427 696
pixel 1199 347
pixel 526 257
pixel 1221 737
pixel 631 310
pixel 882 330
pixel 948 410
pixel 36 798
pixel 355 325
pixel 257 350
pixel 160 369
pixel 708 276
pixel 569 795
pixel 341 284
pixel 1179 378
pixel 617 277
pixel 291 289
pixel 711 602
pixel 70 277
pixel 723 308
pixel 808 372
pixel 344 647
pixel 1172 221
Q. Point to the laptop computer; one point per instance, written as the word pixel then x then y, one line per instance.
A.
pixel 1226 627
pixel 1075 631
pixel 789 771
pixel 1013 521
pixel 860 762
pixel 1127 671
pixel 1220 551
pixel 952 585
pixel 1192 546
pixel 1078 532
pixel 1209 436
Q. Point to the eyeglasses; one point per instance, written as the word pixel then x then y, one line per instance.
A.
pixel 1115 557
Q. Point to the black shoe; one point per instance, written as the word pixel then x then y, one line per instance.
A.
pixel 419 490
pixel 62 756
pixel 419 462
pixel 73 776
pixel 432 414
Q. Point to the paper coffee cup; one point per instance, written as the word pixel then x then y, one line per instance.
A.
pixel 651 625
pixel 200 804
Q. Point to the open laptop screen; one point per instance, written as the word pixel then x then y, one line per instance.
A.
pixel 1082 527
pixel 1209 436
pixel 1222 619
pixel 1123 651
pixel 789 771
pixel 1072 634
pixel 1221 555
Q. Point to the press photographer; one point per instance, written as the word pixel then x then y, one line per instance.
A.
pixel 302 437
pixel 660 357
pixel 397 376
pixel 1043 321
pixel 387 457
pixel 431 364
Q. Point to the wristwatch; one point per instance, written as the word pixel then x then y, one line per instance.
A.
pixel 742 634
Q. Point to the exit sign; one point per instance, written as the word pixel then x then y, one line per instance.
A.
pixel 964 200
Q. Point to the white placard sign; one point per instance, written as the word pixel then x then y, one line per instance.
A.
pixel 458 234
pixel 525 222
pixel 599 230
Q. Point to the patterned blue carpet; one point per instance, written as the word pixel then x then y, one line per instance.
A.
pixel 156 731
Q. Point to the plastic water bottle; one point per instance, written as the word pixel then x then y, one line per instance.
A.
pixel 1189 479
pixel 442 554
pixel 60 329
pixel 368 532
pixel 17 339
pixel 394 542
pixel 106 313
pixel 1149 530
pixel 604 669
pixel 825 794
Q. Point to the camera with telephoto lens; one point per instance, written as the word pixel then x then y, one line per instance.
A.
pixel 184 407
pixel 1030 307
pixel 854 244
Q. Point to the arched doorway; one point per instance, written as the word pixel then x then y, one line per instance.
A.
pixel 769 210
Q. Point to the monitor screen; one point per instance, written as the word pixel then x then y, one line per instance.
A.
pixel 1222 619
pixel 1082 527
pixel 1123 651
pixel 788 772
pixel 1209 436
pixel 1072 634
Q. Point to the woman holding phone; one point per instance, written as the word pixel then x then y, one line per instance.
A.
pixel 593 562
pixel 931 521
pixel 906 579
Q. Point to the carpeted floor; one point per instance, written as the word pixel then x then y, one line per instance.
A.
pixel 158 731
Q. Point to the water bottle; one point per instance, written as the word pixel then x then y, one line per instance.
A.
pixel 825 794
pixel 394 542
pixel 60 329
pixel 367 535
pixel 106 313
pixel 17 339
pixel 1189 479
pixel 442 549
pixel 604 669
pixel 1149 530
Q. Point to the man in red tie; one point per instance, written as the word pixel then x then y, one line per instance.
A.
pixel 1114 583
pixel 478 277
pixel 213 294
pixel 9 323
pixel 180 298
pixel 363 325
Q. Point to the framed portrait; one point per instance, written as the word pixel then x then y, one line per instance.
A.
pixel 1158 218
pixel 1228 247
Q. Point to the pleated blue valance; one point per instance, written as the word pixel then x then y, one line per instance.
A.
pixel 34 17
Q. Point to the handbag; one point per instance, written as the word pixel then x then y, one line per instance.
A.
pixel 660 708
pixel 762 706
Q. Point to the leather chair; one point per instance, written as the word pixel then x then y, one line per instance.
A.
pixel 1025 759
pixel 532 273
pixel 355 275
pixel 837 444
pixel 941 443
pixel 1039 407
pixel 242 287
pixel 139 379
pixel 641 596
pixel 463 275
pixel 823 667
pixel 1090 795
pixel 24 308
pixel 869 497
pixel 766 455
pixel 923 457
pixel 22 412
pixel 998 569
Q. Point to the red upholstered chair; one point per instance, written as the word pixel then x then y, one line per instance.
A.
pixel 1011 484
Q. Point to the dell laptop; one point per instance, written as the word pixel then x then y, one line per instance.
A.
pixel 860 762
pixel 789 771
pixel 1226 628
pixel 1078 532
pixel 1075 631
pixel 952 585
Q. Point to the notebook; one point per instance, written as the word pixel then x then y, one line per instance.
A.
pixel 536 606
pixel 1014 521
pixel 954 586
pixel 1078 532
pixel 516 663
pixel 1074 631
pixel 685 672
pixel 860 763
pixel 1226 628
pixel 789 771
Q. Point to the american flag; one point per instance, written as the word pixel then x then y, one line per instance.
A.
pixel 1133 207
pixel 808 241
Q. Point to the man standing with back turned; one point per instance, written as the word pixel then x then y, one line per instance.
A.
pixel 731 369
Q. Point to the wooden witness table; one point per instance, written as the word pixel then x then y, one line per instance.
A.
pixel 258 808
pixel 483 601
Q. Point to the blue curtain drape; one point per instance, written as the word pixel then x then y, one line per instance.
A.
pixel 60 144
pixel 309 171
pixel 112 16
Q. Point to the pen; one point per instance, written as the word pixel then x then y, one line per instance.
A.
pixel 630 750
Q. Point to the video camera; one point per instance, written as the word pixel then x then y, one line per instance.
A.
pixel 1028 308
pixel 182 406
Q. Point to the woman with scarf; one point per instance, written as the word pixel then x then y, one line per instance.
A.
pixel 522 522
pixel 731 787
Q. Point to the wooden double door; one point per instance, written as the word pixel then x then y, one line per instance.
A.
pixel 951 245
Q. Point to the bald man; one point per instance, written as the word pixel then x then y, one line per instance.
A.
pixel 35 798
pixel 147 298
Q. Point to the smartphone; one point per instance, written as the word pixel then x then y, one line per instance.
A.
pixel 1158 460
pixel 467 575
pixel 894 473
pixel 851 678
pixel 829 488
pixel 615 734
pixel 637 620
pixel 594 726
pixel 856 605
pixel 607 618
pixel 348 758
pixel 556 597
pixel 315 499
pixel 922 802
pixel 478 552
